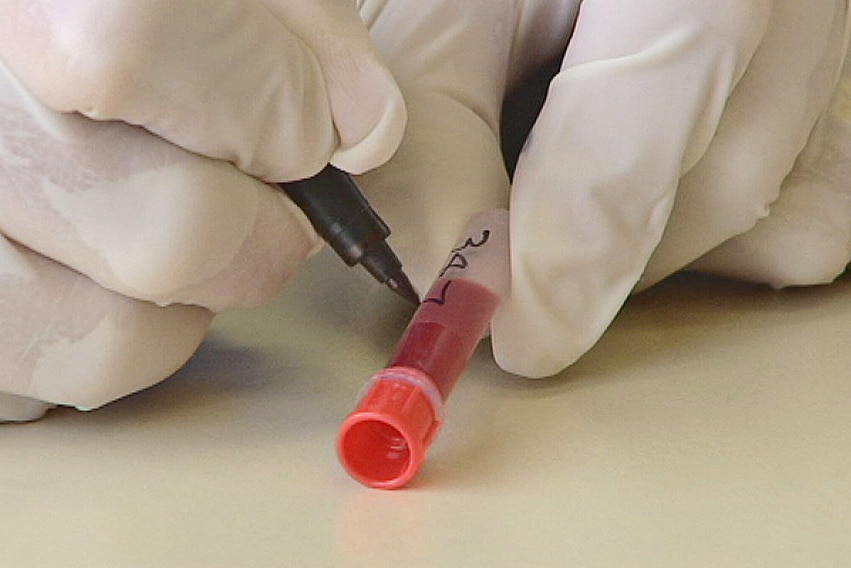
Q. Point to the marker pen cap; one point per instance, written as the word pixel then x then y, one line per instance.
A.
pixel 383 442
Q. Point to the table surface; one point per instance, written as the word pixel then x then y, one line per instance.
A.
pixel 710 427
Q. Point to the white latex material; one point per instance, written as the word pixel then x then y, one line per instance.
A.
pixel 120 236
pixel 669 129
pixel 277 87
pixel 66 340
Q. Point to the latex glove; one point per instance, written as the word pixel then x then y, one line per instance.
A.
pixel 671 127
pixel 121 236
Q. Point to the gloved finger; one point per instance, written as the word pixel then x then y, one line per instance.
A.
pixel 139 215
pixel 366 104
pixel 65 340
pixel 766 124
pixel 15 408
pixel 226 79
pixel 806 237
pixel 449 164
pixel 636 103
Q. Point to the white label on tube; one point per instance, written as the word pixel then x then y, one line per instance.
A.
pixel 481 253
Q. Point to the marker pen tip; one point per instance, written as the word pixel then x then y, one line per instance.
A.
pixel 403 287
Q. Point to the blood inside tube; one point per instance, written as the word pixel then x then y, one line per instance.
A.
pixel 442 336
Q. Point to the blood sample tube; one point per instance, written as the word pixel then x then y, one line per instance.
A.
pixel 383 442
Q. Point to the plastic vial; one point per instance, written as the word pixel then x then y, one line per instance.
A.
pixel 383 442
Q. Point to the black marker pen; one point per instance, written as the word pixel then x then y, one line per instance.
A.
pixel 344 219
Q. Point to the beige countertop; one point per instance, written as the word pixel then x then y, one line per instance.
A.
pixel 710 427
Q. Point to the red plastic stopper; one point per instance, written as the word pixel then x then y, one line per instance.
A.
pixel 383 442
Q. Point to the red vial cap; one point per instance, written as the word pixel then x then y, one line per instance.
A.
pixel 383 442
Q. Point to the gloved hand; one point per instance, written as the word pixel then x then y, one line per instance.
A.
pixel 133 140
pixel 676 133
